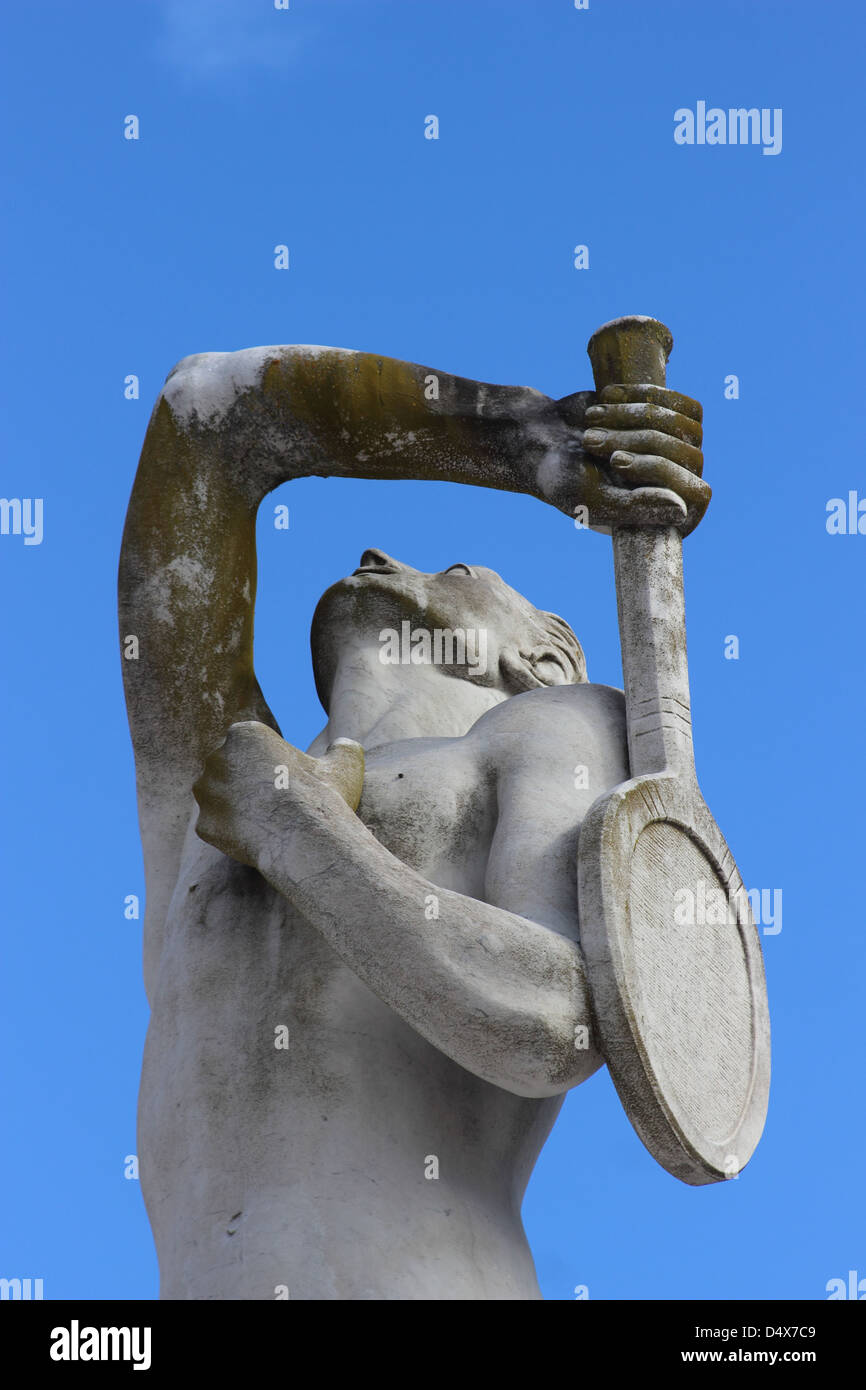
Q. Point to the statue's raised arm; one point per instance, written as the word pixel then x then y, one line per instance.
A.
pixel 228 427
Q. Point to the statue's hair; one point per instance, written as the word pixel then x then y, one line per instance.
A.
pixel 564 641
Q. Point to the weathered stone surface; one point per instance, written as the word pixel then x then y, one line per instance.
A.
pixel 364 964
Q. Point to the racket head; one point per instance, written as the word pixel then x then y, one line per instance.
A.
pixel 676 976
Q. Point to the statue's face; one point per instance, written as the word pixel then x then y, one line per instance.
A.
pixel 383 593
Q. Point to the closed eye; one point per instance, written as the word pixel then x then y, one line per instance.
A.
pixel 460 569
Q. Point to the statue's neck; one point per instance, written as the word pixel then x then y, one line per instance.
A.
pixel 375 703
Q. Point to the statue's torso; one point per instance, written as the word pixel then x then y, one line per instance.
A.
pixel 311 1166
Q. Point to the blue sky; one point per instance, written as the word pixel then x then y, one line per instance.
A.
pixel 306 127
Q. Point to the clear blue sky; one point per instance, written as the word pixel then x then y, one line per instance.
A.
pixel 306 127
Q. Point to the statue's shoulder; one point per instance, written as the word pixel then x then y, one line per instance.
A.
pixel 554 721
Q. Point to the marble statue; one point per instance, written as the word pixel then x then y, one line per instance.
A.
pixel 363 961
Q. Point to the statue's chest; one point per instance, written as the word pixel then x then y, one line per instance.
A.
pixel 426 802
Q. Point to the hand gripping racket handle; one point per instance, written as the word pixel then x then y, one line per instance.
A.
pixel 648 564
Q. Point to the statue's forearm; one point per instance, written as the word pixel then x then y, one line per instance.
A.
pixel 497 993
pixel 266 415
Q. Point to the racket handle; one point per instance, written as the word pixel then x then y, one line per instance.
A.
pixel 648 564
pixel 631 351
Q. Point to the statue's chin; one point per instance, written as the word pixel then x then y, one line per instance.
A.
pixel 365 602
pixel 355 606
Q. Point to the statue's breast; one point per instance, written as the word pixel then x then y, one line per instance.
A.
pixel 427 801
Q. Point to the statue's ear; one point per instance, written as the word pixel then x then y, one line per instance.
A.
pixel 530 669
pixel 551 667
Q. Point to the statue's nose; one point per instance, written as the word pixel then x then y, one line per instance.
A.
pixel 378 560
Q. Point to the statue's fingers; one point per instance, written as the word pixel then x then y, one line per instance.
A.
pixel 645 506
pixel 649 471
pixel 607 442
pixel 247 735
pixel 344 765
pixel 645 415
pixel 243 728
pixel 658 395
